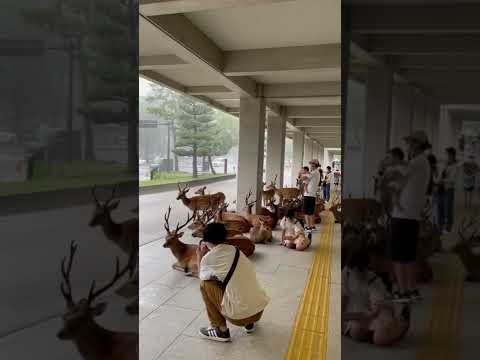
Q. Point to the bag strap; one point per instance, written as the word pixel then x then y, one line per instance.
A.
pixel 232 269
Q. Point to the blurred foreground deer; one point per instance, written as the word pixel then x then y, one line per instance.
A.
pixel 93 341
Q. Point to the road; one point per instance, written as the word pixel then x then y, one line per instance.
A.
pixel 154 206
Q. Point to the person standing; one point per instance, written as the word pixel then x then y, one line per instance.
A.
pixel 470 169
pixel 446 191
pixel 310 196
pixel 406 216
pixel 326 184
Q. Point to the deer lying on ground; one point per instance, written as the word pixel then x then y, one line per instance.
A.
pixel 464 249
pixel 261 233
pixel 275 214
pixel 93 341
pixel 186 254
pixel 123 234
pixel 200 202
pixel 255 219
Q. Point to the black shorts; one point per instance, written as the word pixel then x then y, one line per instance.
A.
pixel 309 205
pixel 403 240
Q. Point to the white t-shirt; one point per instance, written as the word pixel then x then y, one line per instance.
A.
pixel 313 181
pixel 413 196
pixel 243 296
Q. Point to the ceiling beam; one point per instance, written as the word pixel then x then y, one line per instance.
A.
pixel 298 90
pixel 320 122
pixel 461 78
pixel 434 62
pixel 424 44
pixel 160 61
pixel 207 90
pixel 415 19
pixel 259 61
pixel 196 48
pixel 164 7
pixel 313 111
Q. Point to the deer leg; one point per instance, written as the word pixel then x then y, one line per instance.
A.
pixel 179 267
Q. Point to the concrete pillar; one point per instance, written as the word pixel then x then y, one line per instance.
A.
pixel 250 149
pixel 378 122
pixel 445 132
pixel 402 109
pixel 320 155
pixel 419 112
pixel 277 126
pixel 298 140
pixel 307 154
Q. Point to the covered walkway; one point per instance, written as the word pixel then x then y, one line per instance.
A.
pixel 275 64
pixel 413 67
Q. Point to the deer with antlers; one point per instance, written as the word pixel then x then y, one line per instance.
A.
pixel 123 234
pixel 200 202
pixel 255 219
pixel 186 254
pixel 93 341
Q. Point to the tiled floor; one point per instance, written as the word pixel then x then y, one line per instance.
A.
pixel 172 309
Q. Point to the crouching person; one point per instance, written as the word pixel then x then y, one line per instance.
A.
pixel 293 235
pixel 229 286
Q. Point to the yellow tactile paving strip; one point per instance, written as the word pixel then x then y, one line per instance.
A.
pixel 442 336
pixel 310 332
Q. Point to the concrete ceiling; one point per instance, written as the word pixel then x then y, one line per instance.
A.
pixel 433 45
pixel 287 51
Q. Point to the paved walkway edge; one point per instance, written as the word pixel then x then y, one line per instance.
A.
pixel 310 332
pixel 154 189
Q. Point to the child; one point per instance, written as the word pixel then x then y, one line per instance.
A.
pixel 301 174
pixel 293 235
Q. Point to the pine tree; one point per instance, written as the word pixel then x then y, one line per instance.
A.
pixel 195 131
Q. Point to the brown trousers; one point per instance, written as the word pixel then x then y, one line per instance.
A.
pixel 212 297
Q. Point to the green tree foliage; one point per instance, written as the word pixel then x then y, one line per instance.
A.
pixel 103 37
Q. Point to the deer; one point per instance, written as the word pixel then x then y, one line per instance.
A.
pixel 255 219
pixel 200 202
pixel 201 191
pixel 261 233
pixel 186 254
pixel 268 194
pixel 287 194
pixel 122 234
pixel 93 341
pixel 464 249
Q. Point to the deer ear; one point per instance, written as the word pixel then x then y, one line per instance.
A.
pixel 180 234
pixel 114 205
pixel 99 309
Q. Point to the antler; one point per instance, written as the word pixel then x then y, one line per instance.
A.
pixel 247 198
pixel 274 182
pixel 189 218
pixel 92 294
pixel 112 195
pixel 167 217
pixel 67 293
pixel 94 188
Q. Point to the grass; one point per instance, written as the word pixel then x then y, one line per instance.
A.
pixel 60 176
pixel 163 178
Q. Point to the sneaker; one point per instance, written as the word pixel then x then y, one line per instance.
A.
pixel 215 334
pixel 250 328
pixel 309 236
pixel 415 295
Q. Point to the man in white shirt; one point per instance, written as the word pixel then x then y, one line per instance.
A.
pixel 406 216
pixel 229 286
pixel 311 181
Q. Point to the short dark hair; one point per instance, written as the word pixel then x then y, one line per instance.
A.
pixel 329 167
pixel 290 213
pixel 398 153
pixel 306 168
pixel 432 160
pixel 215 233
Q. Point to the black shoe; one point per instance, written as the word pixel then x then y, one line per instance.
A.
pixel 309 235
pixel 406 313
pixel 250 328
pixel 415 295
pixel 215 334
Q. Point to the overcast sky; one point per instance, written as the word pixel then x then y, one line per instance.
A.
pixel 143 86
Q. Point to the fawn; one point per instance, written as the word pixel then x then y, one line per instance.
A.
pixel 93 341
pixel 200 202
pixel 261 233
